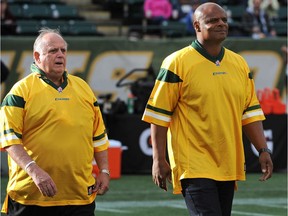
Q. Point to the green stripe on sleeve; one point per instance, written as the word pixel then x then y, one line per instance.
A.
pixel 159 110
pixel 252 108
pixel 168 76
pixel 12 131
pixel 101 136
pixel 13 100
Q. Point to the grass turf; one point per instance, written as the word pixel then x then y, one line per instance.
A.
pixel 137 195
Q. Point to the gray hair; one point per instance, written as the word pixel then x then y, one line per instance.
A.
pixel 43 31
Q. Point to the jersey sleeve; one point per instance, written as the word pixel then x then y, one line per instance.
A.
pixel 100 138
pixel 253 111
pixel 165 94
pixel 11 117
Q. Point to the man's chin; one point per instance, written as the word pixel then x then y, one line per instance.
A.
pixel 59 69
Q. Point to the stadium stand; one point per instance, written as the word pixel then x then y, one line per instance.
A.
pixel 63 25
pixel 34 14
pixel 61 11
pixel 83 27
pixel 133 11
pixel 282 13
pixel 172 29
pixel 36 11
pixel 281 22
pixel 107 22
pixel 16 10
pixel 27 27
pixel 236 11
pixel 281 28
pixel 110 17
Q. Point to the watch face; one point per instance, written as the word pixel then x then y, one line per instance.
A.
pixel 105 171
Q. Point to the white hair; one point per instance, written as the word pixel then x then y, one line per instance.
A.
pixel 43 31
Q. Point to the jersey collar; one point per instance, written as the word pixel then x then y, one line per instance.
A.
pixel 196 45
pixel 41 74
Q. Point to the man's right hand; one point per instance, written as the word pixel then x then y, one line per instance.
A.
pixel 42 180
pixel 161 172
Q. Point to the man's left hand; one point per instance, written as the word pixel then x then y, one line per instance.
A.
pixel 102 183
pixel 266 166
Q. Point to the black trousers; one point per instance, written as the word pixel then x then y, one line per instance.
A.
pixel 17 209
pixel 207 197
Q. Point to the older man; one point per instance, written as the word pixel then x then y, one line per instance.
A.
pixel 52 128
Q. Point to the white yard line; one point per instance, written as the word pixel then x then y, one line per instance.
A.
pixel 119 206
pixel 276 202
pixel 251 214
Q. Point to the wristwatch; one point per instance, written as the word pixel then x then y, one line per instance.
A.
pixel 105 171
pixel 264 150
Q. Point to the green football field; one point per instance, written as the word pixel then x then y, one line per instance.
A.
pixel 136 195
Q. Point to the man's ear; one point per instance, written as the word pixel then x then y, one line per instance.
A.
pixel 196 26
pixel 36 56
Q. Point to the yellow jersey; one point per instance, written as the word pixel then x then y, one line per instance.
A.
pixel 204 101
pixel 60 128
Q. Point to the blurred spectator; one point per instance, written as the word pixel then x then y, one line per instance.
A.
pixel 191 7
pixel 256 22
pixel 8 21
pixel 157 11
pixel 177 12
pixel 271 7
pixel 188 19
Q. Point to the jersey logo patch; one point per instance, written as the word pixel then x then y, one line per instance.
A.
pixel 217 63
pixel 219 73
pixel 62 99
pixel 60 90
pixel 90 189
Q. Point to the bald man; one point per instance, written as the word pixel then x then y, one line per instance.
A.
pixel 203 99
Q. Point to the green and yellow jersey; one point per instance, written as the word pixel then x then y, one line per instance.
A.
pixel 60 128
pixel 204 101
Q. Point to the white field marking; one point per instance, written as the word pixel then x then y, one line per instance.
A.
pixel 273 202
pixel 113 210
pixel 145 204
pixel 250 213
pixel 118 206
pixel 180 206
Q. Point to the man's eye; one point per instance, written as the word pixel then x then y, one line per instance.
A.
pixel 212 21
